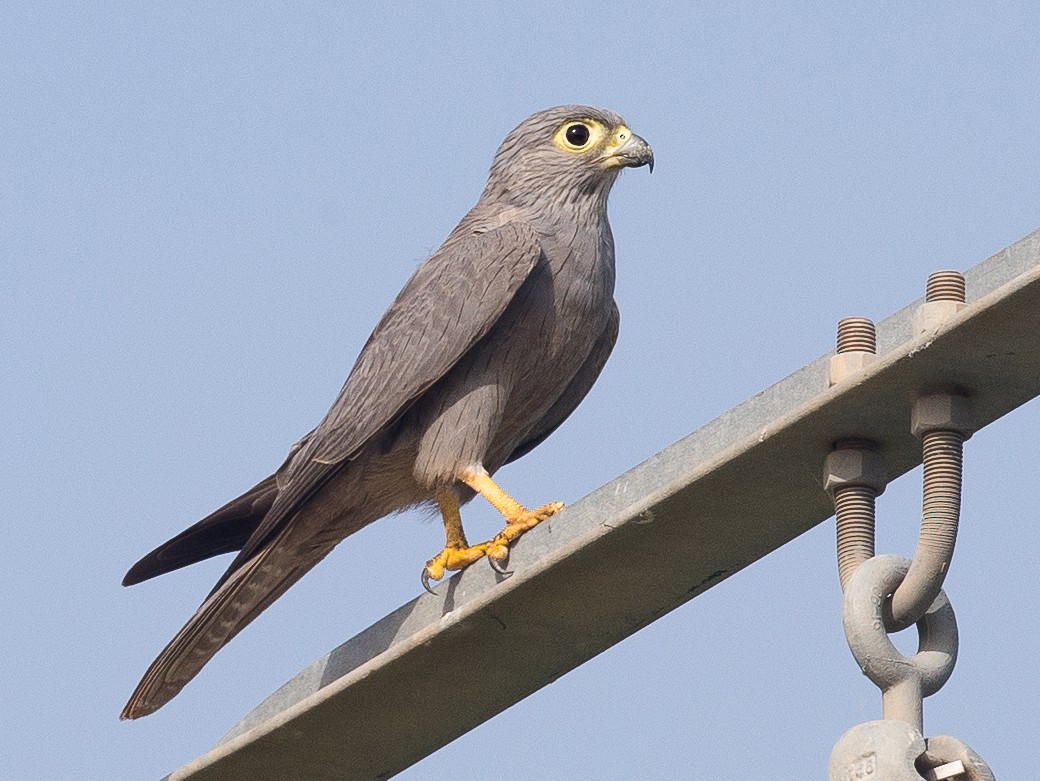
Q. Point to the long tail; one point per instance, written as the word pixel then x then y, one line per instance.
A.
pixel 242 597
pixel 222 531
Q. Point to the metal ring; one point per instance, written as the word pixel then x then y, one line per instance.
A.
pixel 869 588
pixel 944 749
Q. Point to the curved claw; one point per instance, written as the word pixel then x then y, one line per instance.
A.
pixel 499 565
pixel 426 580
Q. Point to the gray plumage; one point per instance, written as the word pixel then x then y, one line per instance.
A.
pixel 491 344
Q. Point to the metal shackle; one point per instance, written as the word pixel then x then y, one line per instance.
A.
pixel 885 750
pixel 903 680
pixel 957 758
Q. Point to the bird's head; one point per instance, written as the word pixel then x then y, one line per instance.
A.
pixel 567 154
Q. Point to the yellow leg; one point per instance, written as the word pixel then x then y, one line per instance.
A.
pixel 457 552
pixel 518 518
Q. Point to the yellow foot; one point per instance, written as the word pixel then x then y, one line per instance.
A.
pixel 451 559
pixel 497 548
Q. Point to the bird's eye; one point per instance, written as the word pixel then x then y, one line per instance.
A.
pixel 577 135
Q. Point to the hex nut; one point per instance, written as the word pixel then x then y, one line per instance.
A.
pixel 844 365
pixel 942 412
pixel 854 466
pixel 929 316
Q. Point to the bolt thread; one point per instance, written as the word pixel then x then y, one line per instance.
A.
pixel 940 517
pixel 945 286
pixel 856 334
pixel 943 467
pixel 854 517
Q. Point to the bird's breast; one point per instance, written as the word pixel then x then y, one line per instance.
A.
pixel 502 390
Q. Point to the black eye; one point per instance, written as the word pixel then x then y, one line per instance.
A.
pixel 577 135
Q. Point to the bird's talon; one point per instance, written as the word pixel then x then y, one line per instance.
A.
pixel 498 563
pixel 457 555
pixel 434 570
pixel 450 558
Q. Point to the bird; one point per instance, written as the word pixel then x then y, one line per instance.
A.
pixel 491 344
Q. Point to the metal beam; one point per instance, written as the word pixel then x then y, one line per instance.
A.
pixel 640 546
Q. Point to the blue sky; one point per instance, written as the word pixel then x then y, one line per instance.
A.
pixel 204 209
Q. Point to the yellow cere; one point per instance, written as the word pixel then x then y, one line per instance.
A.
pixel 617 140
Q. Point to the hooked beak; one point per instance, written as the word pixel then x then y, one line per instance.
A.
pixel 633 153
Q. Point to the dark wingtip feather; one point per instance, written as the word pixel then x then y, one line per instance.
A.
pixel 223 531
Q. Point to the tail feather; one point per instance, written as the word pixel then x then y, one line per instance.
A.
pixel 222 531
pixel 250 589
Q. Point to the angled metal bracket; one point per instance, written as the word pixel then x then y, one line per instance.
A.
pixel 638 547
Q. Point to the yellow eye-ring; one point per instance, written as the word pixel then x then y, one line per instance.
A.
pixel 579 135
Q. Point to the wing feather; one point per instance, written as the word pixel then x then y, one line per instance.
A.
pixel 222 531
pixel 448 305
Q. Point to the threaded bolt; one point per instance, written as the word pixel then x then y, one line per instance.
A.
pixel 943 466
pixel 944 298
pixel 854 513
pixel 854 475
pixel 945 286
pixel 856 334
pixel 943 470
